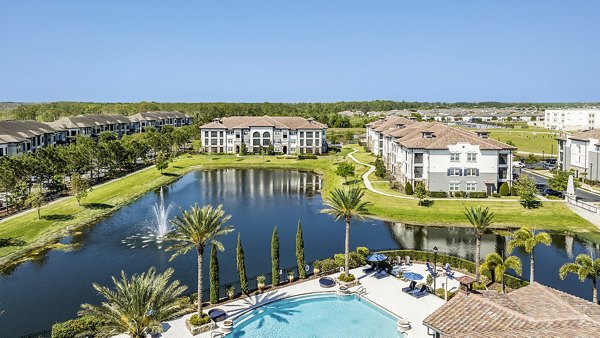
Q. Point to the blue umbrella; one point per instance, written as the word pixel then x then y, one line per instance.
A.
pixel 376 257
pixel 412 276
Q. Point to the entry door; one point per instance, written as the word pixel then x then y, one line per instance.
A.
pixel 490 189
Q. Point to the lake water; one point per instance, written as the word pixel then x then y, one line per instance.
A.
pixel 39 293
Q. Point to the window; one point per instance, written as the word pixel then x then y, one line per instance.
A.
pixel 309 134
pixel 284 135
pixel 301 134
pixel 237 135
pixel 470 172
pixel 309 142
pixel 301 142
pixel 419 158
pixel 471 157
pixel 221 134
pixel 419 172
pixel 256 134
pixel 454 186
pixel 213 134
pixel 213 142
pixel 266 134
pixel 454 172
pixel 454 157
pixel 471 186
pixel 256 142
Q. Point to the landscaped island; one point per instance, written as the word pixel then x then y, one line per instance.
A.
pixel 68 216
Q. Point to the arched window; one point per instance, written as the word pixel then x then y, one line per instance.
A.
pixel 256 138
pixel 266 134
pixel 256 134
pixel 266 138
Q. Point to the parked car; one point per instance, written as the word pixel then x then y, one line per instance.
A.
pixel 518 164
pixel 551 161
pixel 549 166
pixel 552 192
pixel 540 187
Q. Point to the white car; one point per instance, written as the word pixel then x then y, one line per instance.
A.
pixel 518 164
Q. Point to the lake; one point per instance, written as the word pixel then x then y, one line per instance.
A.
pixel 50 289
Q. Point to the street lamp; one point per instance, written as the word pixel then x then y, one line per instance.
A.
pixel 435 250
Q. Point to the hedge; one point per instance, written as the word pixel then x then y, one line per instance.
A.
pixel 455 262
pixel 74 327
pixel 307 157
pixel 477 194
pixel 438 194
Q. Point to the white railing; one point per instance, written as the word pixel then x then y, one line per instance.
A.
pixel 572 200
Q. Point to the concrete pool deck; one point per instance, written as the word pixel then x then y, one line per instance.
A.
pixel 385 292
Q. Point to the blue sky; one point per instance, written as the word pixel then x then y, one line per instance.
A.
pixel 302 51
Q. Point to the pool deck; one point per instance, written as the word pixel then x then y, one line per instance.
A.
pixel 385 292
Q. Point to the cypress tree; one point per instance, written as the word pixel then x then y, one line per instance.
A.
pixel 214 276
pixel 275 258
pixel 300 252
pixel 241 266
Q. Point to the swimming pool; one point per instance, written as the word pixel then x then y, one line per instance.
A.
pixel 317 316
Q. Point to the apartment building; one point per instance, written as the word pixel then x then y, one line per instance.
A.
pixel 580 152
pixel 158 119
pixel 93 125
pixel 23 136
pixel 444 158
pixel 288 135
pixel 572 119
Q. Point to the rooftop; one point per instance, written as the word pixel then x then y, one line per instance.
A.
pixel 283 122
pixel 18 131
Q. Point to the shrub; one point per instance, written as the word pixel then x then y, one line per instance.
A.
pixel 408 189
pixel 355 260
pixel 328 264
pixel 438 194
pixel 513 191
pixel 70 328
pixel 479 286
pixel 345 279
pixel 363 251
pixel 477 194
pixel 504 189
pixel 496 195
pixel 460 194
pixel 307 157
pixel 197 321
pixel 214 275
pixel 440 293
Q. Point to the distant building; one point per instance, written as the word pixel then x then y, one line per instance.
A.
pixel 288 135
pixel 572 119
pixel 158 119
pixel 444 158
pixel 580 152
pixel 535 310
pixel 92 125
pixel 24 136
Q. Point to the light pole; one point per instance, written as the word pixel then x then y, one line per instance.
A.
pixel 435 250
pixel 591 171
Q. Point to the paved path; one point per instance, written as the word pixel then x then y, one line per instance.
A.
pixel 591 217
pixel 369 186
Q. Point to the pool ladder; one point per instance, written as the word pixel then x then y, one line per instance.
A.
pixel 361 291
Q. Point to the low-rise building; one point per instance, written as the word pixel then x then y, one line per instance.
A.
pixel 572 119
pixel 580 152
pixel 92 125
pixel 444 158
pixel 288 135
pixel 23 136
pixel 158 119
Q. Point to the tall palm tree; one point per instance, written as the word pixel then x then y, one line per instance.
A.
pixel 528 240
pixel 346 204
pixel 584 267
pixel 494 262
pixel 137 306
pixel 196 228
pixel 480 219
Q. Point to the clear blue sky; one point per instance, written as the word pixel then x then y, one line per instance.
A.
pixel 256 51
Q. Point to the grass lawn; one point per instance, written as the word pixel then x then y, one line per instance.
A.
pixel 63 216
pixel 527 140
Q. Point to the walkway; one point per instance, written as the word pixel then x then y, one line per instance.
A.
pixel 591 217
pixel 369 186
pixel 385 292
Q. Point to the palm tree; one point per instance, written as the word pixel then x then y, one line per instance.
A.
pixel 346 204
pixel 480 219
pixel 197 228
pixel 528 240
pixel 137 306
pixel 584 267
pixel 494 262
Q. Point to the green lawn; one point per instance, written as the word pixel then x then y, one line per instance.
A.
pixel 64 216
pixel 527 140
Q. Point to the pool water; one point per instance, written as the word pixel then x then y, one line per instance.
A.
pixel 317 316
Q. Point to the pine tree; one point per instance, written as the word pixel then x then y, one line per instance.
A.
pixel 300 252
pixel 275 258
pixel 214 276
pixel 241 266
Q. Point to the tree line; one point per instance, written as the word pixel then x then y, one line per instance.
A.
pixel 47 170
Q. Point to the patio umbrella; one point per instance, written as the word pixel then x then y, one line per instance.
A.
pixel 376 258
pixel 412 276
pixel 570 186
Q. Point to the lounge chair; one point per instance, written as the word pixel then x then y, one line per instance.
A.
pixel 447 267
pixel 380 274
pixel 399 260
pixel 420 293
pixel 410 287
pixel 429 267
pixel 407 260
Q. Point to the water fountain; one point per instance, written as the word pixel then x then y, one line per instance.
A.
pixel 157 230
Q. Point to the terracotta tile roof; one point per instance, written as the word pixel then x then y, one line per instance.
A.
pixel 18 131
pixel 586 135
pixel 283 122
pixel 442 136
pixel 533 311
pixel 391 124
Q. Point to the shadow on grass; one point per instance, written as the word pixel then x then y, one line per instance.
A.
pixel 97 206
pixel 58 217
pixel 11 242
pixel 426 203
pixel 170 174
pixel 531 205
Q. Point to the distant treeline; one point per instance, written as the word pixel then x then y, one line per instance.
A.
pixel 204 112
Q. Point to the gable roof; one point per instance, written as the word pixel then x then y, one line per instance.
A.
pixel 17 131
pixel 282 122
pixel 157 115
pixel 83 121
pixel 532 311
pixel 586 135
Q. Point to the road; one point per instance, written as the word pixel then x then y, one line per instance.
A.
pixel 582 195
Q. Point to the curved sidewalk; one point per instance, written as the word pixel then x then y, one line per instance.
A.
pixel 369 186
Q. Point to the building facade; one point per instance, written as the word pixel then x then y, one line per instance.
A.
pixel 572 119
pixel 23 136
pixel 580 152
pixel 288 135
pixel 444 158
